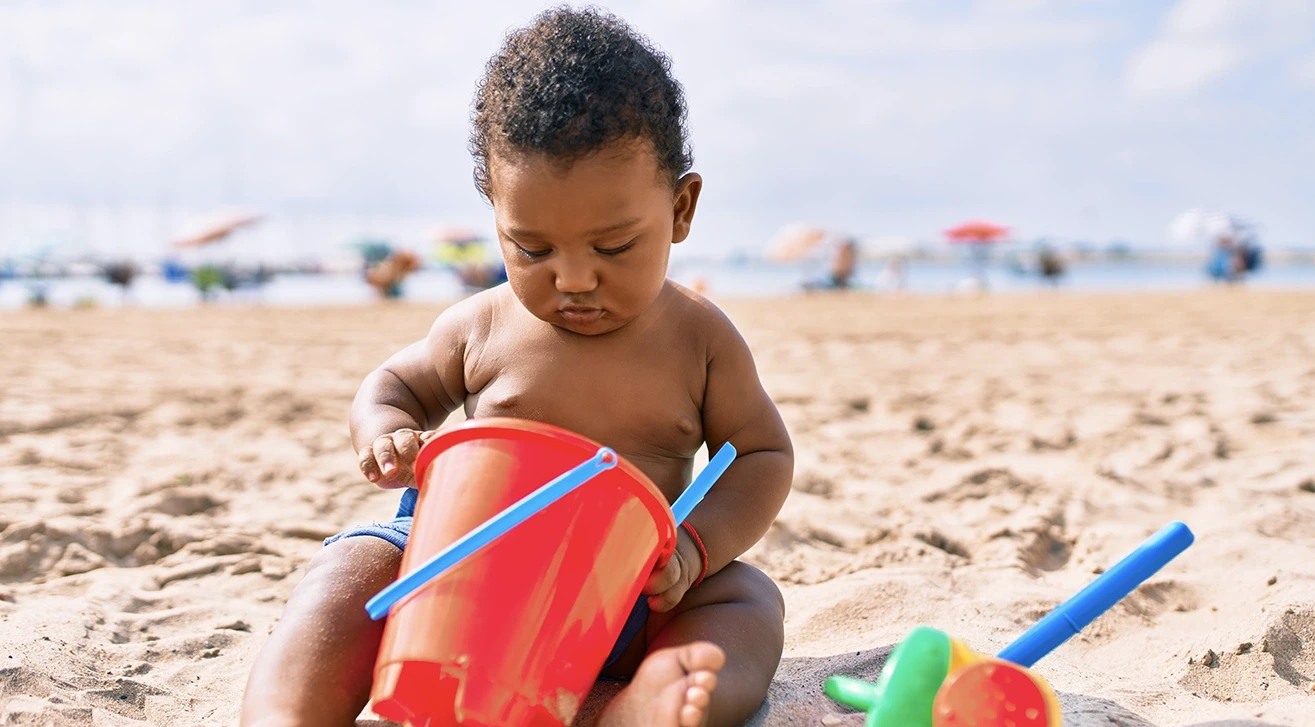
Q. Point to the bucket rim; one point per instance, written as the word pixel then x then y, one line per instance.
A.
pixel 528 430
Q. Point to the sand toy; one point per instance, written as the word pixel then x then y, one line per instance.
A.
pixel 514 591
pixel 932 680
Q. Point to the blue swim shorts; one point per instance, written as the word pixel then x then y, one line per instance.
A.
pixel 397 530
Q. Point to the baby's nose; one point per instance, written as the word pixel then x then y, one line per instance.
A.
pixel 573 279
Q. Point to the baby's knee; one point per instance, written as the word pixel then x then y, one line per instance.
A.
pixel 745 584
pixel 351 570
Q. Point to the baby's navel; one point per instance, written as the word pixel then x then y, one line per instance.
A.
pixel 686 425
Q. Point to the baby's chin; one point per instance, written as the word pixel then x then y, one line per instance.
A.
pixel 586 325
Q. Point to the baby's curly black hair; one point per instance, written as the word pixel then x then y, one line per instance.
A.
pixel 572 82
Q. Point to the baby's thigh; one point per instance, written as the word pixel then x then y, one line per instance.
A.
pixel 324 637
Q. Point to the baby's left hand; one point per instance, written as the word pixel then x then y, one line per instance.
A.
pixel 667 586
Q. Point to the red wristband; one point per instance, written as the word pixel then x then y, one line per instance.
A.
pixel 703 553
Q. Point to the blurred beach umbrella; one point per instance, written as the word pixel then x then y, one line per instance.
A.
pixel 456 235
pixel 215 227
pixel 1188 228
pixel 459 246
pixel 373 251
pixel 795 242
pixel 1199 227
pixel 461 253
pixel 977 232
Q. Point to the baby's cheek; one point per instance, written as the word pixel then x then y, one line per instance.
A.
pixel 535 289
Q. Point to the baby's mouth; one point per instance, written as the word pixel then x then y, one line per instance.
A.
pixel 580 314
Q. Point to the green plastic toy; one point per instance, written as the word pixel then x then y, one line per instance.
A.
pixel 908 684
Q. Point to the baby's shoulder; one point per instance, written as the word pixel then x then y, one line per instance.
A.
pixel 468 322
pixel 698 320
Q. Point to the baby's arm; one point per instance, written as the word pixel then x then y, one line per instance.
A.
pixel 737 512
pixel 411 393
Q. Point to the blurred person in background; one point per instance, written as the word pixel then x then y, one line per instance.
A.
pixel 386 277
pixel 1050 265
pixel 895 276
pixel 1234 253
pixel 120 273
pixel 840 273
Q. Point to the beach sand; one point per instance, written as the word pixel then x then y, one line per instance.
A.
pixel 966 463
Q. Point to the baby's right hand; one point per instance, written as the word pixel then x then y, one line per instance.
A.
pixel 390 461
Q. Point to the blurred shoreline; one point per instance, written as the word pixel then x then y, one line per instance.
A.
pixel 728 279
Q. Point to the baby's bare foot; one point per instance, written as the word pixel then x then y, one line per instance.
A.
pixel 672 688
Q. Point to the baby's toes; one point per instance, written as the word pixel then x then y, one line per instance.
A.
pixel 705 681
pixel 691 716
pixel 702 656
pixel 697 697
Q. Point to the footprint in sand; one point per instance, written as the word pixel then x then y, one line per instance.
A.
pixel 983 483
pixel 1040 543
pixel 1289 520
pixel 814 483
pixel 940 541
pixel 38 551
pixel 183 501
pixel 127 698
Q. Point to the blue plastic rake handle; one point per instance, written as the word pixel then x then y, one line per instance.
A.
pixel 490 530
pixel 1099 596
pixel 693 494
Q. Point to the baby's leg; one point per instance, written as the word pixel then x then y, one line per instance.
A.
pixel 317 666
pixel 739 610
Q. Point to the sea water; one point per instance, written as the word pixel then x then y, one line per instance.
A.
pixel 721 279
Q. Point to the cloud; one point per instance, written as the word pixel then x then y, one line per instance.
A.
pixel 1204 41
pixel 1303 70
pixel 882 117
pixel 1179 67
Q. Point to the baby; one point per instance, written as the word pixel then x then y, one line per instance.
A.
pixel 580 146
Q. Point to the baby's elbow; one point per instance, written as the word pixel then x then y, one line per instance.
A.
pixel 376 386
pixel 784 444
pixel 784 466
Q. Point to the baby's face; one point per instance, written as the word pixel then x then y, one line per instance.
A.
pixel 586 246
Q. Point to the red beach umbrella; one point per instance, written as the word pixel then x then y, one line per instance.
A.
pixel 977 232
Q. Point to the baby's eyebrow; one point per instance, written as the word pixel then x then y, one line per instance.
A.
pixel 613 228
pixel 522 233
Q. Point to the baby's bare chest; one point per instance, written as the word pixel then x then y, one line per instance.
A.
pixel 643 402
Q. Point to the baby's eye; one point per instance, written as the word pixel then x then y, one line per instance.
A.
pixel 616 250
pixel 532 253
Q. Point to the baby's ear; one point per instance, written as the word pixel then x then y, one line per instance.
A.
pixel 687 198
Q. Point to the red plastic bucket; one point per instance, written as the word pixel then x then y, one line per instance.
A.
pixel 515 635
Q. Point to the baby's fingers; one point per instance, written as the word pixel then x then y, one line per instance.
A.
pixel 386 455
pixel 369 467
pixel 408 444
pixel 663 579
pixel 665 601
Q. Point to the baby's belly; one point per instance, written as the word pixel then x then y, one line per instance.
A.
pixel 670 475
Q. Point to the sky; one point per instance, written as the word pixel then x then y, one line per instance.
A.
pixel 1082 119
